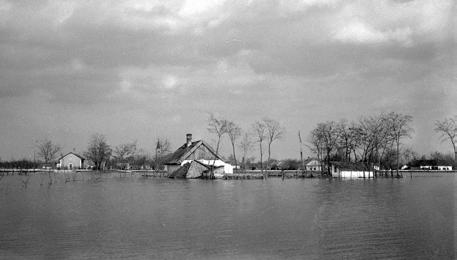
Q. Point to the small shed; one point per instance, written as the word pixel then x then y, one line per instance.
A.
pixel 71 161
pixel 350 170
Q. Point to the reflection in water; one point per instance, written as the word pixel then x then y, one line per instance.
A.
pixel 138 217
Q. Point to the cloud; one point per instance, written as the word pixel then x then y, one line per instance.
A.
pixel 358 32
pixel 306 59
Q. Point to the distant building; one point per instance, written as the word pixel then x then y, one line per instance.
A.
pixel 71 161
pixel 198 151
pixel 444 168
pixel 425 167
pixel 312 164
pixel 436 167
pixel 350 170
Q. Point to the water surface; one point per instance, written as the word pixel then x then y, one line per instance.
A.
pixel 135 217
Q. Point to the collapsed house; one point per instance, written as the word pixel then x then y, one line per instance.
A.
pixel 196 160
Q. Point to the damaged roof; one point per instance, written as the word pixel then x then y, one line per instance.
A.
pixel 183 152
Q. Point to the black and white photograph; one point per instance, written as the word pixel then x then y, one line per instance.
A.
pixel 228 129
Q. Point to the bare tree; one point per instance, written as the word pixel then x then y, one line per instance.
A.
pixel 219 128
pixel 347 139
pixel 399 128
pixel 140 159
pixel 47 150
pixel 234 132
pixel 448 130
pixel 409 155
pixel 245 145
pixel 98 150
pixel 325 138
pixel 374 138
pixel 274 132
pixel 163 147
pixel 316 145
pixel 125 153
pixel 260 131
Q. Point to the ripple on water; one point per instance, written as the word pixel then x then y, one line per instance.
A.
pixel 173 219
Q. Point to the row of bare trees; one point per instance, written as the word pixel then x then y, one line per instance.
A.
pixel 263 132
pixel 370 140
pixel 100 152
pixel 124 155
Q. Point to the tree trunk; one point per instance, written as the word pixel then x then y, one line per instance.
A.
pixel 269 155
pixel 455 152
pixel 328 161
pixel 261 157
pixel 243 162
pixel 211 176
pixel 234 155
pixel 398 155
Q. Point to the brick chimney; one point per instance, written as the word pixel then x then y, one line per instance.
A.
pixel 188 140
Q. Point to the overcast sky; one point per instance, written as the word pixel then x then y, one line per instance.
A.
pixel 136 70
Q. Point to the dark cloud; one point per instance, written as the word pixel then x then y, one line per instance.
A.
pixel 109 62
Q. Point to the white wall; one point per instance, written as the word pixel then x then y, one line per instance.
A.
pixel 353 174
pixel 228 168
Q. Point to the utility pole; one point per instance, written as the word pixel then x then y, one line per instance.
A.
pixel 301 149
pixel 158 150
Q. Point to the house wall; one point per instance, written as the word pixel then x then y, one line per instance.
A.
pixel 72 159
pixel 352 174
pixel 228 168
pixel 313 165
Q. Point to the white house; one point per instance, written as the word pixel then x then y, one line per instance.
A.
pixel 312 164
pixel 71 161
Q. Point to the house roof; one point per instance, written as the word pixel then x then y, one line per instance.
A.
pixel 308 160
pixel 350 166
pixel 194 168
pixel 81 157
pixel 183 152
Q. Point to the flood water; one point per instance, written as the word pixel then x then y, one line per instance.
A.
pixel 157 218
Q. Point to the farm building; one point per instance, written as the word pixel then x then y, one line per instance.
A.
pixel 312 164
pixel 71 161
pixel 350 170
pixel 199 155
